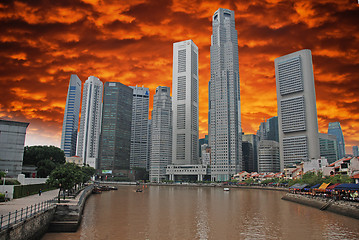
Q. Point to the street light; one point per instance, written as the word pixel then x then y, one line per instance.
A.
pixel 6 171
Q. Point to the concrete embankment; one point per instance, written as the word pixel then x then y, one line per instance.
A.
pixel 346 208
pixel 32 228
pixel 68 214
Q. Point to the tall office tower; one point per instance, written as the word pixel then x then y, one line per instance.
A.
pixel 268 130
pixel 355 151
pixel 71 117
pixel 273 133
pixel 225 120
pixel 149 134
pixel 250 161
pixel 247 156
pixel 297 109
pixel 115 140
pixel 139 127
pixel 328 147
pixel 268 156
pixel 185 103
pixel 90 125
pixel 335 129
pixel 161 134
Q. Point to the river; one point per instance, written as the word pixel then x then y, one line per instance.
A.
pixel 167 212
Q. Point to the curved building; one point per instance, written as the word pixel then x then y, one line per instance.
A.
pixel 335 129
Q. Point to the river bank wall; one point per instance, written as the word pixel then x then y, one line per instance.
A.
pixel 31 229
pixel 345 208
pixel 68 214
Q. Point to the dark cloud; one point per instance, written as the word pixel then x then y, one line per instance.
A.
pixel 44 42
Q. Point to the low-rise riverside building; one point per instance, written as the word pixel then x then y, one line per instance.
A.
pixel 347 166
pixel 177 172
pixel 12 139
pixel 314 165
pixel 75 159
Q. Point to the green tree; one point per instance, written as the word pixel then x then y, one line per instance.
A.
pixel 68 175
pixel 45 158
pixel 45 167
pixel 35 154
pixel 88 172
pixel 339 178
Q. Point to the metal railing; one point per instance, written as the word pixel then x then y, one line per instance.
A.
pixel 17 216
pixel 85 190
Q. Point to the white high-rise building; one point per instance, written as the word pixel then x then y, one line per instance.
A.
pixel 225 111
pixel 90 124
pixel 71 117
pixel 185 103
pixel 161 134
pixel 139 127
pixel 297 109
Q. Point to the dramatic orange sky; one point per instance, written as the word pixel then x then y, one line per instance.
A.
pixel 43 42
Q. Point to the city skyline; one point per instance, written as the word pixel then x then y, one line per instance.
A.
pixel 42 50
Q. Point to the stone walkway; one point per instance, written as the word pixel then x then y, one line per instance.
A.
pixel 17 204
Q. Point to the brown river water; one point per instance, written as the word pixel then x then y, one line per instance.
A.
pixel 166 212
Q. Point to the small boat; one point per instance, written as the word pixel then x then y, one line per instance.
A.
pixel 138 190
pixel 225 189
pixel 96 190
pixel 113 188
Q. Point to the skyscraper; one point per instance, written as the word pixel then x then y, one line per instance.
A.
pixel 161 134
pixel 297 109
pixel 335 129
pixel 225 112
pixel 328 147
pixel 185 103
pixel 268 130
pixel 116 127
pixel 268 156
pixel 90 125
pixel 250 161
pixel 71 117
pixel 355 151
pixel 139 127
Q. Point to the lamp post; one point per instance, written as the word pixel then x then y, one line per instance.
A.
pixel 58 197
pixel 3 188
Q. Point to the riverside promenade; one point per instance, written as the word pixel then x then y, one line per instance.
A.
pixel 17 204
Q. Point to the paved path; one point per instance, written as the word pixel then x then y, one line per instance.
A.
pixel 17 204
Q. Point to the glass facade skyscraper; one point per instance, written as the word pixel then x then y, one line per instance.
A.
pixel 335 129
pixel 71 117
pixel 115 141
pixel 250 158
pixel 161 134
pixel 225 112
pixel 297 109
pixel 355 151
pixel 328 147
pixel 269 130
pixel 139 127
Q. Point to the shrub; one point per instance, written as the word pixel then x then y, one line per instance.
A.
pixel 2 197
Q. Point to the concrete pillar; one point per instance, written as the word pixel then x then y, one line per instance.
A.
pixel 199 177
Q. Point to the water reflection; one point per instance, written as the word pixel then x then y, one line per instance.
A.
pixel 204 213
